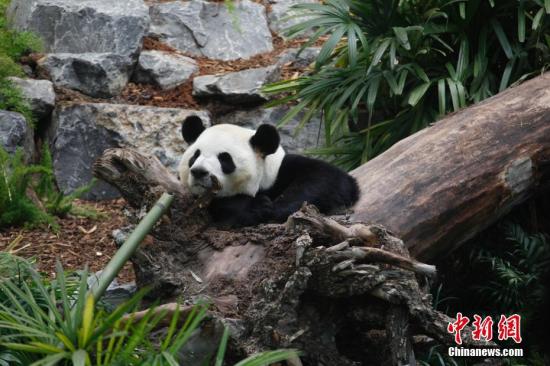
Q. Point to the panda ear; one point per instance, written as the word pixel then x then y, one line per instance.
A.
pixel 191 128
pixel 266 140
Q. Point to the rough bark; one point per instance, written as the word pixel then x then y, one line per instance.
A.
pixel 446 183
pixel 344 294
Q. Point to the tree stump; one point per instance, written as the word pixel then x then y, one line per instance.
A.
pixel 342 293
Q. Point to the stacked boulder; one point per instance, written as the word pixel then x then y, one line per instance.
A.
pixel 96 48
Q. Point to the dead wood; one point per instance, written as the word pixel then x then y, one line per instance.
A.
pixel 344 294
pixel 443 185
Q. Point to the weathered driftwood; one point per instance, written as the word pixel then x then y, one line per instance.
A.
pixel 343 294
pixel 444 184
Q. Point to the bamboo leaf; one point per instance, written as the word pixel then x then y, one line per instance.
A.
pixel 267 358
pixel 66 342
pixel 170 359
pixel 380 52
pixel 505 80
pixel 402 36
pixel 463 56
pixel 88 316
pixel 537 19
pixel 372 93
pixel 503 40
pixel 418 93
pixel 521 21
pixel 328 47
pixel 79 358
pixel 454 94
pixel 441 96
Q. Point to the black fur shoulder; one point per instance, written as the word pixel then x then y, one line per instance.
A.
pixel 303 179
pixel 300 179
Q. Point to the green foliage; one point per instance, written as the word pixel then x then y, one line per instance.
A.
pixel 18 179
pixel 64 327
pixel 15 179
pixel 56 202
pixel 53 323
pixel 13 45
pixel 11 98
pixel 8 67
pixel 507 271
pixel 389 68
pixel 516 272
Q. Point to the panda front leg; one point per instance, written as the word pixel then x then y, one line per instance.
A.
pixel 241 210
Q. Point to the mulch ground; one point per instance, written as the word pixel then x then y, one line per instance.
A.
pixel 181 96
pixel 79 241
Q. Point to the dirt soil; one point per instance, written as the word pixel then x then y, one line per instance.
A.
pixel 79 241
pixel 181 96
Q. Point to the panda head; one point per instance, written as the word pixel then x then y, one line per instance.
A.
pixel 243 161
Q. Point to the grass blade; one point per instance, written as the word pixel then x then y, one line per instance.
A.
pixel 521 21
pixel 502 38
pixel 418 93
pixel 223 346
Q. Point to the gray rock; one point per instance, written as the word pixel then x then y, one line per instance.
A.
pixel 297 59
pixel 39 93
pixel 16 133
pixel 82 26
pixel 164 69
pixel 309 137
pixel 240 87
pixel 116 293
pixel 81 132
pixel 282 16
pixel 209 29
pixel 101 75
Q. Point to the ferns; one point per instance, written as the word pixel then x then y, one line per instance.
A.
pixel 15 178
pixel 17 181
pixel 516 271
pixel 56 202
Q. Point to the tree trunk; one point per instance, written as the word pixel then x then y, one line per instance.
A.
pixel 443 185
pixel 344 294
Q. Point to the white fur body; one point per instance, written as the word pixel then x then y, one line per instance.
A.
pixel 253 172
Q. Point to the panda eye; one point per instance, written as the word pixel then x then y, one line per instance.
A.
pixel 226 161
pixel 194 157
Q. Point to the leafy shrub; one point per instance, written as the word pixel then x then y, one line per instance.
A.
pixel 13 45
pixel 11 99
pixel 516 271
pixel 51 323
pixel 57 203
pixel 389 68
pixel 17 180
pixel 507 270
pixel 16 208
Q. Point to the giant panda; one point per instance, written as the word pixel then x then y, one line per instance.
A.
pixel 259 182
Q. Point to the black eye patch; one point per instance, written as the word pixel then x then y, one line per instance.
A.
pixel 195 156
pixel 226 161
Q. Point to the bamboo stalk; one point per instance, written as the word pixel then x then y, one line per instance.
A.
pixel 127 249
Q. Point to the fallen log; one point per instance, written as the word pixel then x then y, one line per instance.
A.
pixel 344 293
pixel 443 185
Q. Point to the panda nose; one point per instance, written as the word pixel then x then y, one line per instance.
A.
pixel 198 173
